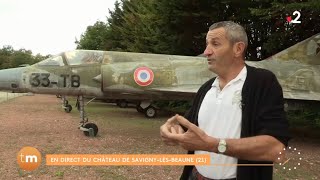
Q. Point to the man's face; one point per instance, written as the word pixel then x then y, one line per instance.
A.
pixel 219 51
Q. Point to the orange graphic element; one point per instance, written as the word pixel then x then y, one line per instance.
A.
pixel 242 164
pixel 29 158
pixel 126 159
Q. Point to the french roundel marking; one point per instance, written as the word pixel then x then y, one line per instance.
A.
pixel 143 76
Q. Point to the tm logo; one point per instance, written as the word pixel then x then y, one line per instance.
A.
pixel 29 158
pixel 296 20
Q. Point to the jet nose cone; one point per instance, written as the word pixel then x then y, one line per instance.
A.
pixel 10 79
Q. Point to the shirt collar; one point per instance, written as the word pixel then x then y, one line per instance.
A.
pixel 241 76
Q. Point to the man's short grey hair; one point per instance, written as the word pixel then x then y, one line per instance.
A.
pixel 235 32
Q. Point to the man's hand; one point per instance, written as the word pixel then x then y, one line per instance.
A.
pixel 170 127
pixel 256 148
pixel 193 139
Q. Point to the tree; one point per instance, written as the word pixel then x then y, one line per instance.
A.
pixel 94 38
pixel 179 27
pixel 278 33
pixel 10 58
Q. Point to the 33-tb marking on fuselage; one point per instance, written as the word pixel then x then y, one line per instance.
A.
pixel 42 79
pixel 75 80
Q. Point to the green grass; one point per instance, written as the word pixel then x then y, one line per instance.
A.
pixel 134 134
pixel 59 174
pixel 54 149
pixel 124 118
pixel 109 174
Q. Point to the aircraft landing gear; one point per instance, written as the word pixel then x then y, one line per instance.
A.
pixel 68 108
pixel 122 103
pixel 89 129
pixel 65 105
pixel 147 109
pixel 139 109
pixel 150 112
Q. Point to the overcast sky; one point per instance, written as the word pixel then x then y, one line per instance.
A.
pixel 48 26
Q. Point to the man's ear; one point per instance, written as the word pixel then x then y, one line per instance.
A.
pixel 238 49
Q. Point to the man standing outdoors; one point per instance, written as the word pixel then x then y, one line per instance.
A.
pixel 237 117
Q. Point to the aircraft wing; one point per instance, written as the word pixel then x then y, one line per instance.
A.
pixel 192 89
pixel 179 92
pixel 301 95
pixel 178 89
pixel 183 89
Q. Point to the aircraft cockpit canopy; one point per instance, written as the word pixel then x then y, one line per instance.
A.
pixel 52 61
pixel 79 57
pixel 76 57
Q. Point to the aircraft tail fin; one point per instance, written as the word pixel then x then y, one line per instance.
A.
pixel 305 52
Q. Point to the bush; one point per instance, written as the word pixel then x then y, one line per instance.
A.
pixel 179 107
pixel 306 118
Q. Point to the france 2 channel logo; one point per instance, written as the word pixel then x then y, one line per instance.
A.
pixel 296 19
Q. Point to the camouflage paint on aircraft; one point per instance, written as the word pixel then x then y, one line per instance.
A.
pixel 124 75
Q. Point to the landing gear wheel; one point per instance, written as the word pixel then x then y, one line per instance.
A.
pixel 150 112
pixel 78 105
pixel 139 109
pixel 122 103
pixel 92 126
pixel 68 108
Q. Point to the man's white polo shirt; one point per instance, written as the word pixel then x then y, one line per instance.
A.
pixel 220 117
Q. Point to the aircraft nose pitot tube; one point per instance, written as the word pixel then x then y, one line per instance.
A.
pixel 10 79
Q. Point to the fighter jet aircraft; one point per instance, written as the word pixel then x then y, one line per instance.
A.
pixel 148 77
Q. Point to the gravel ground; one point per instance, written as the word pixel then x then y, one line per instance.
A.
pixel 39 121
pixel 5 96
